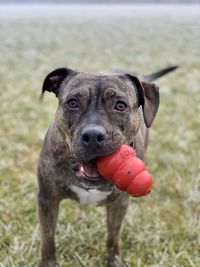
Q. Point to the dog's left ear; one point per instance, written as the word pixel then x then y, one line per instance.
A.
pixel 148 98
pixel 54 79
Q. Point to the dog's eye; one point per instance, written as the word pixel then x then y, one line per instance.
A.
pixel 72 103
pixel 120 106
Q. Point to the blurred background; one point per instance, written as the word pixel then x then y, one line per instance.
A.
pixel 161 230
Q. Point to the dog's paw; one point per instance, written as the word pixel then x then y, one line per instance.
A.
pixel 116 261
pixel 48 264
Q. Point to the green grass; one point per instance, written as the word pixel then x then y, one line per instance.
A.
pixel 161 230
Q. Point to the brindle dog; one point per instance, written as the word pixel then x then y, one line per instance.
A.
pixel 96 114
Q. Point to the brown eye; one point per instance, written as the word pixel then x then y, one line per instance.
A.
pixel 120 106
pixel 72 103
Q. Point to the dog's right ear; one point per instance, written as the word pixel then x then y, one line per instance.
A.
pixel 54 79
pixel 148 98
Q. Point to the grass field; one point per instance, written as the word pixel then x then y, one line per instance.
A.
pixel 161 230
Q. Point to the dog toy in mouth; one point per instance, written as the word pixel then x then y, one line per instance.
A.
pixel 127 171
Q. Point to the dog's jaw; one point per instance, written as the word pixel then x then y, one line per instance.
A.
pixel 88 176
pixel 93 188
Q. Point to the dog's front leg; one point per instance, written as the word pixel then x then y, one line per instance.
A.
pixel 116 212
pixel 48 214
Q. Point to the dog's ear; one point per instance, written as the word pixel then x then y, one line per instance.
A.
pixel 54 79
pixel 148 98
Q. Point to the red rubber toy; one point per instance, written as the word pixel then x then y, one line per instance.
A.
pixel 127 171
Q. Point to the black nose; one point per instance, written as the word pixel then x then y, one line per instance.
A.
pixel 93 135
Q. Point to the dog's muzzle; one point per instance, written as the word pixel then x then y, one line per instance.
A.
pixel 92 144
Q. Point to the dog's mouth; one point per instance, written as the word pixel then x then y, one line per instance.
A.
pixel 87 169
pixel 87 173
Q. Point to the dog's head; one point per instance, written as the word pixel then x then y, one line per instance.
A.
pixel 98 112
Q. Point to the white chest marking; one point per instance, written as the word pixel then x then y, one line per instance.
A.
pixel 91 196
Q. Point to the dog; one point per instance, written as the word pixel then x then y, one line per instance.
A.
pixel 96 114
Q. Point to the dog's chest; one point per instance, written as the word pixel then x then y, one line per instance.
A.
pixel 91 196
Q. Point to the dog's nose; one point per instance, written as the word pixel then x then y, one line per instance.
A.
pixel 93 135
